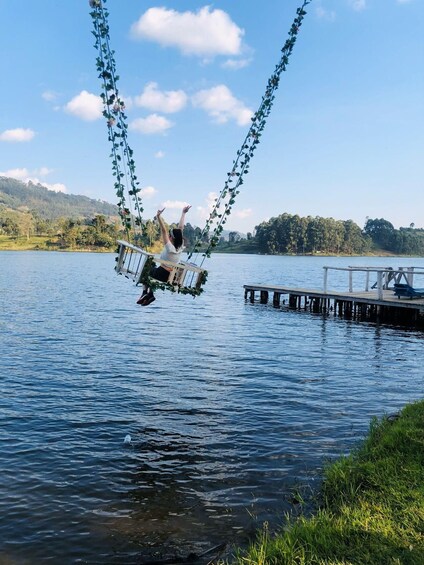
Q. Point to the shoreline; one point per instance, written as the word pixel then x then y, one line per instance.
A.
pixel 369 509
pixel 37 247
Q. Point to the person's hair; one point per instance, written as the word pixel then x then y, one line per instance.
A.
pixel 177 235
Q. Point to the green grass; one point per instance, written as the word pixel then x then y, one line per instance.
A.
pixel 8 243
pixel 41 243
pixel 371 508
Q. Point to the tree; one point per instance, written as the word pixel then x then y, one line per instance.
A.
pixel 354 241
pixel 151 230
pixel 8 226
pixel 26 224
pixel 234 236
pixel 293 234
pixel 381 232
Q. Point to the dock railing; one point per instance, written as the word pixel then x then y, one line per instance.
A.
pixel 384 276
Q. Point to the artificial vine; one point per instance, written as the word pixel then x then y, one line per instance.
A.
pixel 245 153
pixel 155 285
pixel 123 165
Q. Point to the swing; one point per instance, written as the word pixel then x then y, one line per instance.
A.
pixel 132 261
pixel 136 264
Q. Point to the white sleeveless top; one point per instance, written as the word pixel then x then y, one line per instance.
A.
pixel 169 253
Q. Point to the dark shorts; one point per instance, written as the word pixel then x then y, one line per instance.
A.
pixel 160 274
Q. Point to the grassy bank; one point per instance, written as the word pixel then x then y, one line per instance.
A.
pixel 371 508
pixel 8 243
pixel 41 243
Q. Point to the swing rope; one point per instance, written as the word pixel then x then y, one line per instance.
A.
pixel 123 165
pixel 241 165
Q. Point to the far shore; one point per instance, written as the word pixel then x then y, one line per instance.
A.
pixel 39 243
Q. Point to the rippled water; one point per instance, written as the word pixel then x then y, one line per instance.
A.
pixel 229 405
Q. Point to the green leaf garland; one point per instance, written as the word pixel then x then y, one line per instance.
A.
pixel 240 167
pixel 126 184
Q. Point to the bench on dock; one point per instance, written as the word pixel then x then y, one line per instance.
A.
pixel 408 291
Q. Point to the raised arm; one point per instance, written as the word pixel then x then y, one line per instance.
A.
pixel 163 231
pixel 182 219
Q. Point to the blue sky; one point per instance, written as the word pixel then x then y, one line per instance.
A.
pixel 344 139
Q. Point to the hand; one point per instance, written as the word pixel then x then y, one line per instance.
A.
pixel 186 209
pixel 159 212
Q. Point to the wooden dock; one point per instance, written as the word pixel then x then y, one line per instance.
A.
pixel 376 304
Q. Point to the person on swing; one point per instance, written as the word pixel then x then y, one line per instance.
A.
pixel 173 247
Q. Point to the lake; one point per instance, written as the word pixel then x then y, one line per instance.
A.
pixel 230 405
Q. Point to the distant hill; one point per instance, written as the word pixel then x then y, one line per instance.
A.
pixel 48 204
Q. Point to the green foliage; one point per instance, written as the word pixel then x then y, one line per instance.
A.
pixel 372 505
pixel 154 284
pixel 123 164
pixel 404 241
pixel 23 230
pixel 293 234
pixel 76 222
pixel 46 204
pixel 381 232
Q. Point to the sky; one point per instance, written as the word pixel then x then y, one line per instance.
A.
pixel 345 137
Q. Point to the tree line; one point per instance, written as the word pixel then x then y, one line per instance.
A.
pixel 284 234
pixel 98 232
pixel 299 235
pixel 404 241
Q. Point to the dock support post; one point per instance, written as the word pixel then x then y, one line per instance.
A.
pixel 276 300
pixel 264 297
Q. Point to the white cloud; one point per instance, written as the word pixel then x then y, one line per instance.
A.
pixel 236 64
pixel 50 95
pixel 30 176
pixel 221 105
pixel 324 14
pixel 204 212
pixel 150 125
pixel 169 101
pixel 205 32
pixel 159 155
pixel 18 174
pixel 56 187
pixel 174 204
pixel 87 106
pixel 17 135
pixel 148 192
pixel 242 214
pixel 23 173
pixel 43 171
pixel 358 5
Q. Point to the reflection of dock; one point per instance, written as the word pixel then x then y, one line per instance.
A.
pixel 377 302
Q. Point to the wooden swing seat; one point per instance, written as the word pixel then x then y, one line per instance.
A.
pixel 131 261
